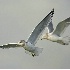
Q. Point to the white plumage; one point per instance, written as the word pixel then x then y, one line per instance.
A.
pixel 29 45
pixel 55 35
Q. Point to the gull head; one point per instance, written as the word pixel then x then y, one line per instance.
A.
pixel 22 42
pixel 44 36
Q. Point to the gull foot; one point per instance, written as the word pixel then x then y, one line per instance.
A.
pixel 33 55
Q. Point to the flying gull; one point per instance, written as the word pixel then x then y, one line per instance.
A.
pixel 29 45
pixel 55 35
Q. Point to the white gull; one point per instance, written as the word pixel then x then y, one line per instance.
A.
pixel 55 35
pixel 29 45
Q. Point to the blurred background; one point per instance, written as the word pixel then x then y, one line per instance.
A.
pixel 17 20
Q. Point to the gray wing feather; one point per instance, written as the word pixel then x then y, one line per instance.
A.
pixel 10 45
pixel 50 27
pixel 36 33
pixel 62 26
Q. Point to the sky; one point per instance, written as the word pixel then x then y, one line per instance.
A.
pixel 17 20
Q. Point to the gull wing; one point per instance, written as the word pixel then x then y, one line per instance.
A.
pixel 36 33
pixel 50 27
pixel 62 26
pixel 10 45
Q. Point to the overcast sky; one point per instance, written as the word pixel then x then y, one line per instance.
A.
pixel 17 20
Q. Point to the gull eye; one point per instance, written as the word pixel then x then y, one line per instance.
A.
pixel 20 41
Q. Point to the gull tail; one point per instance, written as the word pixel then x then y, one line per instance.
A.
pixel 38 51
pixel 66 40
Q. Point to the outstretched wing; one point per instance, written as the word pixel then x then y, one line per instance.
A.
pixel 10 45
pixel 40 28
pixel 50 27
pixel 62 26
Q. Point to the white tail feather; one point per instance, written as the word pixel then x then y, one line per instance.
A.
pixel 66 40
pixel 38 51
pixel 27 52
pixel 34 51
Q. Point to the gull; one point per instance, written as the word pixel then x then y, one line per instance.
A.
pixel 29 44
pixel 55 35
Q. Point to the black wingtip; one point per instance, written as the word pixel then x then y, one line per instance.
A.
pixel 52 12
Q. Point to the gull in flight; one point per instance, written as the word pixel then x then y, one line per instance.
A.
pixel 29 45
pixel 55 35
